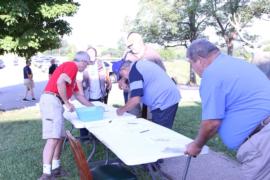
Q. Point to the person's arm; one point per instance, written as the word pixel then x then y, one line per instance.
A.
pixel 80 87
pixel 82 99
pixel 108 83
pixel 132 102
pixel 30 74
pixel 79 81
pixel 208 129
pixel 61 87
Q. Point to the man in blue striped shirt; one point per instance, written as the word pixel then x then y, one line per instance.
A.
pixel 150 84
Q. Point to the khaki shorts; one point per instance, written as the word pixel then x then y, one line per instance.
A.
pixel 51 110
pixel 29 84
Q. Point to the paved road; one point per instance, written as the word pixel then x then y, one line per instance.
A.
pixel 213 166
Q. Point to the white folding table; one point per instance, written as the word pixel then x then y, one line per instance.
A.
pixel 139 141
pixel 135 141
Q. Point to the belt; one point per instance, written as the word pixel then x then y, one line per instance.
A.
pixel 100 99
pixel 54 94
pixel 258 128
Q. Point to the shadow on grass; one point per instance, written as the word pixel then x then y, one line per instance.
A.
pixel 21 151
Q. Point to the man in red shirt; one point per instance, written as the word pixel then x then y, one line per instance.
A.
pixel 61 86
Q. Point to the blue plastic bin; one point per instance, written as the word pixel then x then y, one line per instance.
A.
pixel 92 113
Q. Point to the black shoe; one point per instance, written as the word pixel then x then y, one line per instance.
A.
pixel 24 99
pixel 46 177
pixel 59 172
pixel 33 99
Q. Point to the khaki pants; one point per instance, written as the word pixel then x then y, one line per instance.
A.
pixel 254 156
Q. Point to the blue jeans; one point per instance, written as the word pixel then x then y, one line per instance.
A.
pixel 165 117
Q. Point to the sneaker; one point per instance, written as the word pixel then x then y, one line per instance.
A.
pixel 59 172
pixel 33 99
pixel 46 177
pixel 24 99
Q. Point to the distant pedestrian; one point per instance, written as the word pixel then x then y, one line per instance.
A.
pixel 52 67
pixel 28 81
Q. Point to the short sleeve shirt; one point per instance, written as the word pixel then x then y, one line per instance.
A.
pixel 26 71
pixel 68 68
pixel 52 68
pixel 151 82
pixel 236 92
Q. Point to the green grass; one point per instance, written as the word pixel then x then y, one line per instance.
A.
pixel 179 70
pixel 21 144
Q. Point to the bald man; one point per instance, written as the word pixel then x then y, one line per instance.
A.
pixel 143 51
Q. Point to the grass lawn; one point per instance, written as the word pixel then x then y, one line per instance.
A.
pixel 21 145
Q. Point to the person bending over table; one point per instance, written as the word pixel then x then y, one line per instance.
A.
pixel 61 86
pixel 150 83
pixel 235 103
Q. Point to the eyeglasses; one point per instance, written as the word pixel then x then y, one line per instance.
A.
pixel 130 46
pixel 130 50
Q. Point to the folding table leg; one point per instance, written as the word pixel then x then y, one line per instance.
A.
pixel 186 167
pixel 93 149
pixel 65 139
pixel 161 173
pixel 151 171
pixel 107 155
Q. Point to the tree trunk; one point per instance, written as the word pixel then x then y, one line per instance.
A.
pixel 192 77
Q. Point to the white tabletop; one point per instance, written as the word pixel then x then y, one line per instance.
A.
pixel 139 141
pixel 109 115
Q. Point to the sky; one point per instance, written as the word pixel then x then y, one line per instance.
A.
pixel 99 22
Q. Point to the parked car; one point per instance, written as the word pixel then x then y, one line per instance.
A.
pixel 2 64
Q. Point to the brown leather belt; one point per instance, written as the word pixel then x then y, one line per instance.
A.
pixel 258 128
pixel 56 95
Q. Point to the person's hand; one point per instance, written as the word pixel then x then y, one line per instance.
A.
pixel 109 86
pixel 122 84
pixel 193 149
pixel 120 111
pixel 70 107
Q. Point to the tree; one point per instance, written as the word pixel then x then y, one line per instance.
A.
pixel 31 26
pixel 220 11
pixel 171 23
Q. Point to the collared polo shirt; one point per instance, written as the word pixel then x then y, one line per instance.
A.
pixel 236 92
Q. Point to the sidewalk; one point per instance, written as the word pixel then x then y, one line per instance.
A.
pixel 211 166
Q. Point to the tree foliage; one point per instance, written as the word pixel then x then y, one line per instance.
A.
pixel 220 11
pixel 169 22
pixel 31 26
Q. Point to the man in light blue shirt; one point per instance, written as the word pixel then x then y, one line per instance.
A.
pixel 235 102
pixel 151 84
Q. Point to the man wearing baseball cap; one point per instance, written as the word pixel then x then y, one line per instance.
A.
pixel 60 87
